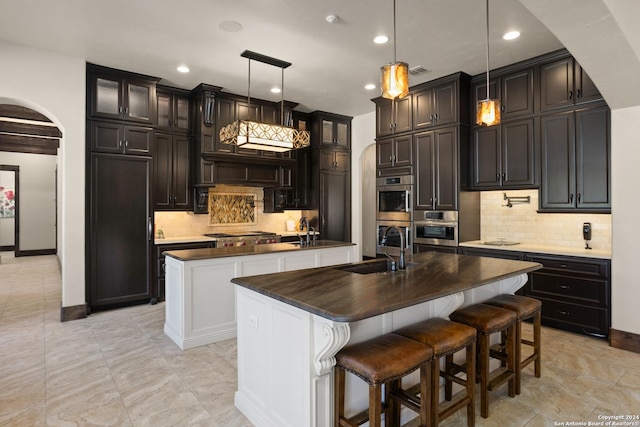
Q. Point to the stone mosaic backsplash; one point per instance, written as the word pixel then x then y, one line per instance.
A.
pixel 232 209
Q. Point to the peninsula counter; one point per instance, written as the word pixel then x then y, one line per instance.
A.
pixel 200 300
pixel 291 325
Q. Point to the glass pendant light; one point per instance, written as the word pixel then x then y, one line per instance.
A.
pixel 395 76
pixel 488 110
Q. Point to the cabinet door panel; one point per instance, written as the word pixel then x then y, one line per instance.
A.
pixel 517 94
pixel 486 158
pixel 327 133
pixel 335 205
pixel 327 159
pixel 138 140
pixel 107 99
pixel 343 160
pixel 423 109
pixel 424 171
pixel 556 84
pixel 181 184
pixel 343 135
pixel 225 114
pixel 182 119
pixel 446 169
pixel 162 165
pixel 593 158
pixel 403 151
pixel 384 153
pixel 106 137
pixel 139 99
pixel 120 241
pixel 165 115
pixel 445 104
pixel 558 161
pixel 586 90
pixel 384 118
pixel 518 154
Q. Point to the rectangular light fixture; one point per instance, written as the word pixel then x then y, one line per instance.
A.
pixel 263 136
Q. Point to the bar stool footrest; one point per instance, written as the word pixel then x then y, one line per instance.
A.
pixel 500 379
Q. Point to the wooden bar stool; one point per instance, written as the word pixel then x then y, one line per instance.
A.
pixel 379 361
pixel 447 338
pixel 525 308
pixel 488 319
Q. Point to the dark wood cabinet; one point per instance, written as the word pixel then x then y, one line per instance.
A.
pixel 117 95
pixel 504 156
pixel 492 253
pixel 220 172
pixel 394 116
pixel 335 160
pixel 517 94
pixel 335 205
pixel 174 110
pixel 435 106
pixel 575 293
pixel 117 138
pixel 395 152
pixel 331 130
pixel 437 157
pixel 563 83
pixel 576 161
pixel 159 270
pixel 171 172
pixel 120 230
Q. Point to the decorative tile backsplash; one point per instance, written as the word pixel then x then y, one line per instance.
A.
pixel 232 209
pixel 523 223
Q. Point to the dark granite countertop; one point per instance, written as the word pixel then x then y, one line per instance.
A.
pixel 345 296
pixel 197 254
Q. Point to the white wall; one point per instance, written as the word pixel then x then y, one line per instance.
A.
pixel 7 225
pixel 625 152
pixel 54 85
pixel 37 199
pixel 363 135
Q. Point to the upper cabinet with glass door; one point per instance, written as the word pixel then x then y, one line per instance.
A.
pixel 121 96
pixel 331 130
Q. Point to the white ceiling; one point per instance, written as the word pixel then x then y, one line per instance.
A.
pixel 331 62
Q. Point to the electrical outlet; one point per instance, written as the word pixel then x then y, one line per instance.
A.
pixel 253 321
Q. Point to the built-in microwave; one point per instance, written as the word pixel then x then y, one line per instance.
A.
pixel 394 195
pixel 392 243
pixel 437 228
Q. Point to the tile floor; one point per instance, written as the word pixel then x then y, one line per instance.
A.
pixel 117 368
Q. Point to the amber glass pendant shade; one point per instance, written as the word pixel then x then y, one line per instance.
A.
pixel 488 112
pixel 395 80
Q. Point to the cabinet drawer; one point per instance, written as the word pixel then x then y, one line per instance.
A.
pixel 575 317
pixel 581 267
pixel 577 290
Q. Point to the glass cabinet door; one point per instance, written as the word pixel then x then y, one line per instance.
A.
pixel 138 97
pixel 107 97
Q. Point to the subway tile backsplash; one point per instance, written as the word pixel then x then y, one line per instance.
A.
pixel 523 224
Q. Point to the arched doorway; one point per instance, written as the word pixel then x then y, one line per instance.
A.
pixel 29 144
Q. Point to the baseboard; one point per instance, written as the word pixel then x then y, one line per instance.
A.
pixel 36 252
pixel 624 340
pixel 7 248
pixel 73 312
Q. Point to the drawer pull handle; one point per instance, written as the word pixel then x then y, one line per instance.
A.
pixel 563 265
pixel 563 287
pixel 564 313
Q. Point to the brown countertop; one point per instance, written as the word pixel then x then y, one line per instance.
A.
pixel 348 297
pixel 198 254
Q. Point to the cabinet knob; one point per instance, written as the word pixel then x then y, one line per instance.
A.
pixel 578 94
pixel 571 198
pixel 579 197
pixel 564 313
pixel 570 94
pixel 435 117
pixel 121 110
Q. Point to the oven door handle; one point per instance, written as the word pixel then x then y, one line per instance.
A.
pixel 435 224
pixel 407 203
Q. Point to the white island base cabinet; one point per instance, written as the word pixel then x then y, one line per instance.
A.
pixel 200 298
pixel 286 355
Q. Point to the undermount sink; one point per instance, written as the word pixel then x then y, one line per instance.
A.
pixel 501 243
pixel 378 266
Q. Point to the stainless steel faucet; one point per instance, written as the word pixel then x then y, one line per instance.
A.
pixel 402 264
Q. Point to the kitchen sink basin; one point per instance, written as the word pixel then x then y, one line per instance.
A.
pixel 501 243
pixel 378 266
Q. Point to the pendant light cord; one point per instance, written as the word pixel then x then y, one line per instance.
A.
pixel 394 31
pixel 487 21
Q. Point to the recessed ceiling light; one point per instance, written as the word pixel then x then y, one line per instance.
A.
pixel 275 90
pixel 511 35
pixel 230 26
pixel 183 69
pixel 370 86
pixel 381 39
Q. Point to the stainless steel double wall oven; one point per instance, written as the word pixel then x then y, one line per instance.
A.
pixel 394 208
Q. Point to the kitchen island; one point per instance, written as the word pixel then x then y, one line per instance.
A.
pixel 291 325
pixel 200 300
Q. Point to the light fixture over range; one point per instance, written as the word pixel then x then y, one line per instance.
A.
pixel 265 136
pixel 395 76
pixel 488 110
